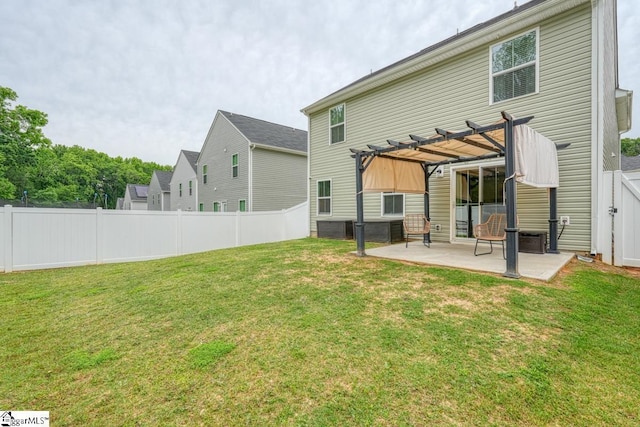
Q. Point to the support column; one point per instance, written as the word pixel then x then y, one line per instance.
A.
pixel 553 221
pixel 359 207
pixel 510 190
pixel 427 237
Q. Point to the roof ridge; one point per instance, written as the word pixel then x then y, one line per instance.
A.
pixel 260 120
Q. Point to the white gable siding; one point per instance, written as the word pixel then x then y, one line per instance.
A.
pixel 223 141
pixel 279 179
pixel 182 174
pixel 450 92
pixel 154 195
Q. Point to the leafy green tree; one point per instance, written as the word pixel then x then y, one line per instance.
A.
pixel 630 147
pixel 57 173
pixel 20 134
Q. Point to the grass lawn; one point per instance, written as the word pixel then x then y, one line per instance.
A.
pixel 304 333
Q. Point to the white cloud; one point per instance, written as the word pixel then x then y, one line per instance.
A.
pixel 145 78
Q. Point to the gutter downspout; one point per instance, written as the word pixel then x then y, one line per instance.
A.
pixel 597 137
pixel 250 178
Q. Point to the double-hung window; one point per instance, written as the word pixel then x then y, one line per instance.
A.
pixel 514 67
pixel 204 174
pixel 337 123
pixel 191 188
pixel 180 190
pixel 216 206
pixel 392 204
pixel 324 197
pixel 234 165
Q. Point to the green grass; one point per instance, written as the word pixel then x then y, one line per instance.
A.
pixel 304 333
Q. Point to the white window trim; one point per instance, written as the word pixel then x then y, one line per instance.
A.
pixel 344 123
pixel 330 198
pixel 404 202
pixel 536 62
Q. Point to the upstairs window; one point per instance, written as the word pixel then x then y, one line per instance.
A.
pixel 324 197
pixel 204 174
pixel 337 123
pixel 190 188
pixel 514 67
pixel 180 190
pixel 234 165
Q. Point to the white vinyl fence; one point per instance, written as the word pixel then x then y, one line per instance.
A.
pixel 32 238
pixel 626 219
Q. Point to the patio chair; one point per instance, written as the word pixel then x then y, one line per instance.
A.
pixel 493 230
pixel 416 225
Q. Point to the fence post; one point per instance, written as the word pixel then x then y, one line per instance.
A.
pixel 179 219
pixel 99 236
pixel 8 238
pixel 237 225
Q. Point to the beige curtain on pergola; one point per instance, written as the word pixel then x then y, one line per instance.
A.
pixel 395 176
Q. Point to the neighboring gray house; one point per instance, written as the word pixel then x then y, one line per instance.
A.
pixel 630 163
pixel 184 184
pixel 555 60
pixel 135 197
pixel 251 165
pixel 159 198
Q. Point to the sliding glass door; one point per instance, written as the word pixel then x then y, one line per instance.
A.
pixel 478 193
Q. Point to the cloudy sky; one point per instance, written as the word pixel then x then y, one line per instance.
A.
pixel 145 78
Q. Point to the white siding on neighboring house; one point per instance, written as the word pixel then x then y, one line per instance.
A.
pixel 183 173
pixel 158 198
pixel 452 86
pixel 222 142
pixel 278 179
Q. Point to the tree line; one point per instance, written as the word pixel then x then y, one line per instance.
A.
pixel 630 147
pixel 32 168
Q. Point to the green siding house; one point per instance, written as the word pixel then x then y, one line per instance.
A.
pixel 555 60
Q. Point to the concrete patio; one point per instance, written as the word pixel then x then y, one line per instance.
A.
pixel 533 266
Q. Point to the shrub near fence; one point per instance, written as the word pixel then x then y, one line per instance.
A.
pixel 50 238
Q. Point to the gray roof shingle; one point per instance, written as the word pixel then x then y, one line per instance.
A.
pixel 138 192
pixel 266 133
pixel 630 163
pixel 164 179
pixel 192 157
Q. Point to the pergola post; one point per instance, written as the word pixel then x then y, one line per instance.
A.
pixel 553 221
pixel 427 237
pixel 359 207
pixel 510 190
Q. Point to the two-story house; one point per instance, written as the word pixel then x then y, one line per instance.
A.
pixel 555 60
pixel 159 196
pixel 247 164
pixel 184 183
